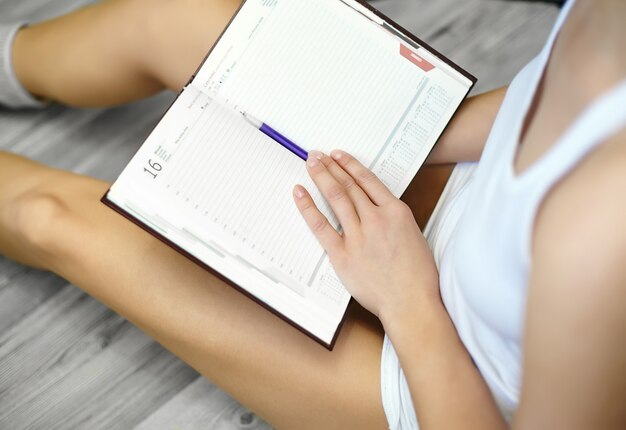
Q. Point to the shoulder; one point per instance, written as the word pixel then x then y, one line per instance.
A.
pixel 587 208
pixel 580 228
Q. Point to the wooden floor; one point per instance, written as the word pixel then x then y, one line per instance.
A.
pixel 68 362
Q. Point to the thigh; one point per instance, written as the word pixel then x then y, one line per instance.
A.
pixel 266 364
pixel 425 189
pixel 116 51
pixel 193 24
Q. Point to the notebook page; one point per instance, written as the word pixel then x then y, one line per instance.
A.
pixel 323 75
pixel 208 180
pixel 327 77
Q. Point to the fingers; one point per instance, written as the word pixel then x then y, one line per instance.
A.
pixel 359 199
pixel 365 178
pixel 334 192
pixel 327 236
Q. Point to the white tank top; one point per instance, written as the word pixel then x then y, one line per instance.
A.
pixel 481 234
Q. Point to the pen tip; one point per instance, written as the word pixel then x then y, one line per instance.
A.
pixel 252 120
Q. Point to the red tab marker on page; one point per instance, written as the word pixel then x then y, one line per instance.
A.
pixel 415 59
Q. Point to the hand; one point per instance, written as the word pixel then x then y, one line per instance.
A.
pixel 382 257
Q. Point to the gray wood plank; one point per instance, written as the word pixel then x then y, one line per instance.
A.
pixel 202 406
pixel 95 142
pixel 22 290
pixel 68 362
pixel 36 10
pixel 73 363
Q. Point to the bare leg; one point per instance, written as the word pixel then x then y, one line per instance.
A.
pixel 117 51
pixel 55 221
pixel 129 49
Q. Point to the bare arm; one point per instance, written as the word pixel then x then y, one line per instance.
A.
pixel 574 351
pixel 447 389
pixel 388 268
pixel 575 357
pixel 465 136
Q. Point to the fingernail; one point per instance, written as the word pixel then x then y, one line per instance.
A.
pixel 314 158
pixel 316 154
pixel 336 154
pixel 298 191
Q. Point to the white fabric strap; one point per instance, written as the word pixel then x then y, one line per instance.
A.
pixel 12 93
pixel 601 120
pixel 604 118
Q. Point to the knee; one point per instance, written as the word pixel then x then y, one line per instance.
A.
pixel 35 218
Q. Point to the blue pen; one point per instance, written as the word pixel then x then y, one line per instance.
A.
pixel 276 136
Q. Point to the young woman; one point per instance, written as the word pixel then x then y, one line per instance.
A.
pixel 516 309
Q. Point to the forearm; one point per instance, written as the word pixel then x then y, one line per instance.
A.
pixel 465 136
pixel 381 245
pixel 448 391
